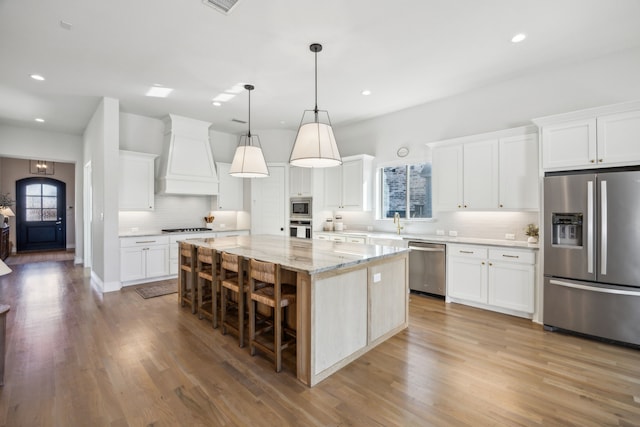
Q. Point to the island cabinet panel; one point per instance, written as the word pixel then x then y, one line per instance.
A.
pixel 387 298
pixel 340 317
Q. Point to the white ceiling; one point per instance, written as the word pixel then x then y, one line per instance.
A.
pixel 407 52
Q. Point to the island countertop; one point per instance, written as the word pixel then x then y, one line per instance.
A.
pixel 305 255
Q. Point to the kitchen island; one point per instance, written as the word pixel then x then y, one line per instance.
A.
pixel 350 297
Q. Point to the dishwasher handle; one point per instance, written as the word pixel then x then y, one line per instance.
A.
pixel 423 249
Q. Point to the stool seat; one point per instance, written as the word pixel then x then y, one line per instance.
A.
pixel 265 295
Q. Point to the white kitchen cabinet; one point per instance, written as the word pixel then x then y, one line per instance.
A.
pixel 594 138
pixel 300 182
pixel 143 258
pixel 230 190
pixel 447 178
pixel 511 280
pixel 467 273
pixel 519 172
pixel 341 237
pixel 174 247
pixel 619 138
pixel 350 186
pixel 569 145
pixel 499 279
pixel 487 172
pixel 136 181
pixel 480 175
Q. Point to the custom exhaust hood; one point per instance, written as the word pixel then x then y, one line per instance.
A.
pixel 187 165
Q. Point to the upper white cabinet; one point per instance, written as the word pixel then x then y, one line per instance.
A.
pixel 300 182
pixel 136 189
pixel 594 138
pixel 230 190
pixel 519 169
pixel 350 186
pixel 487 172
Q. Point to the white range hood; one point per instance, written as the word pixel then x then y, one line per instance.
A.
pixel 187 165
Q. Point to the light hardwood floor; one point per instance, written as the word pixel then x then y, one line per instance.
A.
pixel 79 358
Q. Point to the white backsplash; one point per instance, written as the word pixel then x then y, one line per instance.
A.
pixel 484 225
pixel 172 211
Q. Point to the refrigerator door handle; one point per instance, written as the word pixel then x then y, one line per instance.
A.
pixel 594 288
pixel 603 227
pixel 590 226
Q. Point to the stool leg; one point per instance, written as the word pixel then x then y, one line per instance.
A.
pixel 200 292
pixel 194 291
pixel 277 332
pixel 223 308
pixel 252 326
pixel 241 306
pixel 214 303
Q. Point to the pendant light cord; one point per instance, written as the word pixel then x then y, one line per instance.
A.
pixel 316 78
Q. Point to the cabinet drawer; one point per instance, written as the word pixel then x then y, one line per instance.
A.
pixel 356 239
pixel 338 239
pixel 467 251
pixel 128 242
pixel 509 255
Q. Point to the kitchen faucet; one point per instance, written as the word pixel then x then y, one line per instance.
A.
pixel 396 220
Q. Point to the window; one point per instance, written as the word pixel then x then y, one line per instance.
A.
pixel 41 202
pixel 407 190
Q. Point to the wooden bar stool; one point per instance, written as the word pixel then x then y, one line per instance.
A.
pixel 207 285
pixel 187 275
pixel 232 280
pixel 273 294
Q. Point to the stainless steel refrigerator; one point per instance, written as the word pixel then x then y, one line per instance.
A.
pixel 592 253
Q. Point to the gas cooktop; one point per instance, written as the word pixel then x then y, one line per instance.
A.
pixel 184 230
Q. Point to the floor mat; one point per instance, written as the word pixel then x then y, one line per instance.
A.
pixel 157 289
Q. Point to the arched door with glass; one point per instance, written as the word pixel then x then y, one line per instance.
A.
pixel 40 216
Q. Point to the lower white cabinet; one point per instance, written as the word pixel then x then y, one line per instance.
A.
pixel 173 252
pixel 499 279
pixel 337 237
pixel 143 258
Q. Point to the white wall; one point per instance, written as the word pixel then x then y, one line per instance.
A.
pixel 101 142
pixel 26 143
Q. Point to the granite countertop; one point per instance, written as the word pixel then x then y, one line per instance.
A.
pixel 308 255
pixel 152 232
pixel 440 239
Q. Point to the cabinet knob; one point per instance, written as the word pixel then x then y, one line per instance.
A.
pixel 593 161
pixel 601 160
pixel 459 206
pixel 482 262
pixel 501 205
pixel 465 206
pixel 490 263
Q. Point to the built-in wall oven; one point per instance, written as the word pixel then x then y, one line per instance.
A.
pixel 300 228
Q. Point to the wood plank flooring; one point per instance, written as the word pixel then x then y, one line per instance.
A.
pixel 76 357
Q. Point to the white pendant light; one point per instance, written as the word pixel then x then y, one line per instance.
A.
pixel 248 161
pixel 315 145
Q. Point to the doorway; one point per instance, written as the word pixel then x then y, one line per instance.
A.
pixel 41 214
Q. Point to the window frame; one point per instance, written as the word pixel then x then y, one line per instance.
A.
pixel 379 190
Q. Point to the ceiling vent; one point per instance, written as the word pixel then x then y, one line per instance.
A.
pixel 224 6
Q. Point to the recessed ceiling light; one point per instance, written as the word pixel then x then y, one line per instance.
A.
pixel 518 38
pixel 158 91
pixel 366 92
pixel 66 25
pixel 37 77
pixel 224 97
pixel 216 103
pixel 39 120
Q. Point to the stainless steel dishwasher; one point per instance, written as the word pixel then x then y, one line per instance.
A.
pixel 427 263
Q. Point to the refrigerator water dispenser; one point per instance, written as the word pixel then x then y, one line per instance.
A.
pixel 567 229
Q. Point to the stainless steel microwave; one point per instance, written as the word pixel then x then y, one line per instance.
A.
pixel 300 208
